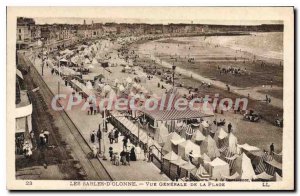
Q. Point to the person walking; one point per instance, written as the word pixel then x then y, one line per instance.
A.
pixel 111 152
pixel 123 157
pixel 95 151
pixel 190 156
pixel 145 152
pixel 93 136
pixel 127 155
pixel 125 141
pixel 229 126
pixel 132 154
pixel 116 135
pixel 272 149
pixel 111 137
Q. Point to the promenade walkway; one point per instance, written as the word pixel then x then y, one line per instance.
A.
pixel 138 170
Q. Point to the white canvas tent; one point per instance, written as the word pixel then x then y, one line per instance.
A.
pixel 198 136
pixel 163 132
pixel 209 147
pixel 186 147
pixel 204 127
pixel 247 147
pixel 171 156
pixel 168 143
pixel 222 134
pixel 218 168
pixel 221 137
pixel 179 161
pixel 232 143
pixel 243 166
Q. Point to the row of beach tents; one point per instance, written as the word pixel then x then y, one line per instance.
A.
pixel 220 157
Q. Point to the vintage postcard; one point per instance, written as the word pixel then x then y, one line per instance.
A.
pixel 150 98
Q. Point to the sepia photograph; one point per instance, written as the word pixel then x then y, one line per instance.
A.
pixel 150 98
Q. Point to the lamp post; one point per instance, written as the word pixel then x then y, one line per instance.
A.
pixel 162 161
pixel 58 82
pixel 99 137
pixel 43 45
pixel 104 128
pixel 173 74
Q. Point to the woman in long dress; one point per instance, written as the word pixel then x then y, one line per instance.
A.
pixel 132 154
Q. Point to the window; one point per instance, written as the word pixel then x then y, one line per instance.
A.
pixel 20 31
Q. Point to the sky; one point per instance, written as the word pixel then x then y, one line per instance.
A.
pixel 74 20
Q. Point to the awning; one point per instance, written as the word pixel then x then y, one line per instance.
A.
pixel 173 114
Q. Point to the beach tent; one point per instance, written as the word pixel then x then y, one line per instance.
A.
pixel 264 176
pixel 232 143
pixel 63 60
pixel 246 147
pixel 168 143
pixel 209 147
pixel 89 85
pixel 230 159
pixel 188 167
pixel 162 132
pixel 221 137
pixel 75 59
pixel 87 61
pixel 198 137
pixel 175 143
pixel 121 88
pixel 171 156
pixel 186 147
pixel 179 161
pixel 277 177
pixel 201 173
pixel 204 127
pixel 128 80
pixel 106 88
pixel 204 159
pixel 94 61
pixel 235 176
pixel 273 166
pixel 218 168
pixel 222 134
pixel 243 166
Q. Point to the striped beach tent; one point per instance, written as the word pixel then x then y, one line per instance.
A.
pixel 189 131
pixel 231 160
pixel 273 166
